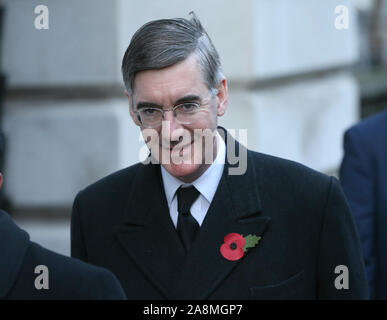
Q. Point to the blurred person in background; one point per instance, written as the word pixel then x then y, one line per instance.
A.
pixel 24 264
pixel 363 175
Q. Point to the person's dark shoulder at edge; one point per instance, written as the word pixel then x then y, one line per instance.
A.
pixel 371 125
pixel 69 278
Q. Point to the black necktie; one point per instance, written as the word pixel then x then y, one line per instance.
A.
pixel 187 226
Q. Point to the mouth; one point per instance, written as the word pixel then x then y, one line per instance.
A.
pixel 175 144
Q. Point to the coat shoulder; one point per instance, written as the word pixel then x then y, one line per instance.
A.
pixel 14 243
pixel 279 170
pixel 292 182
pixel 112 184
pixel 369 136
pixel 68 278
pixel 373 125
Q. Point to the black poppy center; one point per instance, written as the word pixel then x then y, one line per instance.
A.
pixel 233 246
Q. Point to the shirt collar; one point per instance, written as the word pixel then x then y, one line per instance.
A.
pixel 206 184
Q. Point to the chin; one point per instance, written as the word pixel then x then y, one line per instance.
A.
pixel 184 172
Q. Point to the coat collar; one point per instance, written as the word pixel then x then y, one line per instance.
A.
pixel 13 246
pixel 151 240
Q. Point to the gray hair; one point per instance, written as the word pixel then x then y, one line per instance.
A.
pixel 162 43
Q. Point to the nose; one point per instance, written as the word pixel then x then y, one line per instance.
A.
pixel 171 128
pixel 170 121
pixel 168 115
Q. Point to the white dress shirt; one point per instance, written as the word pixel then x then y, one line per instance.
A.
pixel 206 184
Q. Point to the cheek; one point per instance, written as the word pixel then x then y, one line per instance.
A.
pixel 206 119
pixel 151 137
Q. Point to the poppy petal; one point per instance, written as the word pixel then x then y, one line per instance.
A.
pixel 240 242
pixel 230 254
pixel 232 237
pixel 235 237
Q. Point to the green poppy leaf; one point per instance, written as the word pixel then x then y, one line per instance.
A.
pixel 250 241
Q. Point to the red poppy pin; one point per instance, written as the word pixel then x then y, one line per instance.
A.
pixel 235 245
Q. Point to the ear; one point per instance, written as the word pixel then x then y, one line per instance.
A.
pixel 131 106
pixel 222 98
pixel 1 180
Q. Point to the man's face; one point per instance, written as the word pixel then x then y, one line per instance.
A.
pixel 166 88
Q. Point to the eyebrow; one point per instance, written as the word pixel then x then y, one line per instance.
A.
pixel 187 98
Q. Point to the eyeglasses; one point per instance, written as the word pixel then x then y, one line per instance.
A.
pixel 184 113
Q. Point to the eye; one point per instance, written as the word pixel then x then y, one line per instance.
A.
pixel 188 107
pixel 148 111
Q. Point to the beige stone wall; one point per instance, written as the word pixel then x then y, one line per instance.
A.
pixel 285 62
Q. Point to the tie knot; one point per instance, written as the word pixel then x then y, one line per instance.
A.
pixel 185 198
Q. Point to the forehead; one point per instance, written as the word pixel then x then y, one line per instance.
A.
pixel 168 84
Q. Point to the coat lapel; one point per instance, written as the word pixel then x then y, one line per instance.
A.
pixel 148 235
